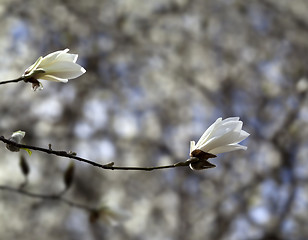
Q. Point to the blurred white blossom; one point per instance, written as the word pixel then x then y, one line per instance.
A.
pixel 302 85
pixel 58 66
pixel 222 136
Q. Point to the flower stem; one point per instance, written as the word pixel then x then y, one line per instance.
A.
pixel 13 81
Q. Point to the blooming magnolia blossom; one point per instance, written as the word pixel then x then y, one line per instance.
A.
pixel 222 136
pixel 58 66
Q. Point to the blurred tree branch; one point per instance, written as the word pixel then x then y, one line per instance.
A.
pixel 53 197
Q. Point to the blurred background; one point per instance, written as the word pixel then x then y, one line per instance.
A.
pixel 158 74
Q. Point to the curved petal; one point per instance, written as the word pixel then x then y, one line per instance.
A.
pixel 230 119
pixel 67 57
pixel 33 66
pixel 230 137
pixel 243 135
pixel 52 56
pixel 227 148
pixel 53 78
pixel 208 132
pixel 192 146
pixel 222 140
pixel 65 70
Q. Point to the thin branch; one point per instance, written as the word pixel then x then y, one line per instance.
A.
pixel 13 81
pixel 109 166
pixel 54 197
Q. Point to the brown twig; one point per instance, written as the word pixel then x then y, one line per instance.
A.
pixel 13 81
pixel 109 166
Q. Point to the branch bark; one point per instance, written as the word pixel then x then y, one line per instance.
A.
pixel 109 166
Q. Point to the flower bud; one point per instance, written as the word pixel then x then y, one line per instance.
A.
pixel 222 136
pixel 16 137
pixel 59 66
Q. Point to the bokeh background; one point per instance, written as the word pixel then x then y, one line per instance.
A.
pixel 158 74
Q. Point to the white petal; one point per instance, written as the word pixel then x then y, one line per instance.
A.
pixel 227 148
pixel 231 119
pixel 229 137
pixel 52 56
pixel 67 57
pixel 226 128
pixel 222 130
pixel 243 135
pixel 65 70
pixel 192 146
pixel 33 66
pixel 235 125
pixel 53 78
pixel 208 132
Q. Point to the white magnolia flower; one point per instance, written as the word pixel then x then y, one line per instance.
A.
pixel 16 137
pixel 222 136
pixel 58 66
